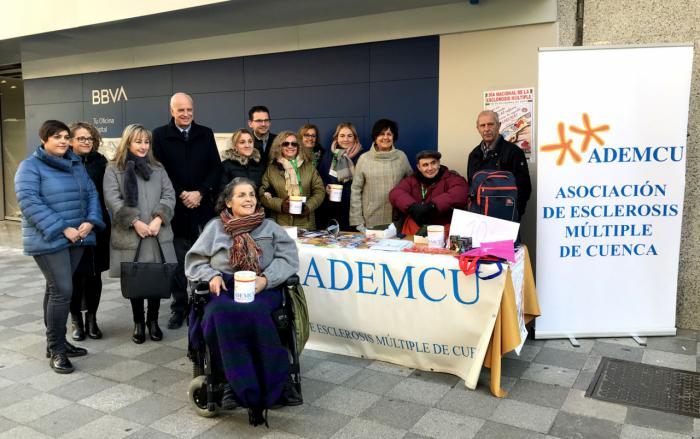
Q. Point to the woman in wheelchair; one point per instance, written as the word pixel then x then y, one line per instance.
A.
pixel 242 337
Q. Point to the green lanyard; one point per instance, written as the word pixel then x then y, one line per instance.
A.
pixel 296 171
pixel 423 191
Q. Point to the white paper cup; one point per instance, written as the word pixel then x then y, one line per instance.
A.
pixel 244 286
pixel 295 203
pixel 436 236
pixel 336 192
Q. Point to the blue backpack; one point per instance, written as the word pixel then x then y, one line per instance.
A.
pixel 494 193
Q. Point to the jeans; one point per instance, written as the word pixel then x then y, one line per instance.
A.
pixel 58 271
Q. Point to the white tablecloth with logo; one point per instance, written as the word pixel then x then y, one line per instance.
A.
pixel 416 310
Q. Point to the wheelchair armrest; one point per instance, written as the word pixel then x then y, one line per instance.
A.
pixel 292 280
pixel 201 288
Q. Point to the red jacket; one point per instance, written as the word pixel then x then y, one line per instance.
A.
pixel 448 192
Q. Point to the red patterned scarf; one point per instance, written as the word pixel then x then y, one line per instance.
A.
pixel 245 254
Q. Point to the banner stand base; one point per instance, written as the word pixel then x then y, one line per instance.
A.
pixel 634 334
pixel 641 341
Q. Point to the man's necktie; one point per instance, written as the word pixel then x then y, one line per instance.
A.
pixel 186 135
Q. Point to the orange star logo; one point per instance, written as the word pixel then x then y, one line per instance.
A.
pixel 563 145
pixel 588 132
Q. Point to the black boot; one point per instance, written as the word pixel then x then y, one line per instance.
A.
pixel 291 395
pixel 139 335
pixel 93 331
pixel 71 351
pixel 176 319
pixel 60 363
pixel 257 416
pixel 154 330
pixel 77 328
pixel 228 400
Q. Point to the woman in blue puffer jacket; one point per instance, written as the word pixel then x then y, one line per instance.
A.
pixel 60 207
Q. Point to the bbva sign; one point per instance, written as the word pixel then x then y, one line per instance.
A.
pixel 108 96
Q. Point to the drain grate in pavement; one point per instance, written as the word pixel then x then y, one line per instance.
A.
pixel 643 385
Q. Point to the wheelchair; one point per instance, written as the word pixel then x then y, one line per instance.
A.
pixel 205 391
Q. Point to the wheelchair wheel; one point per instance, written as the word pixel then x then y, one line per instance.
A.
pixel 197 394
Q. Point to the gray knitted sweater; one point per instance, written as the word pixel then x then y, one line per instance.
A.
pixel 209 256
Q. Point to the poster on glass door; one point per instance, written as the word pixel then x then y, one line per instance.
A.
pixel 515 112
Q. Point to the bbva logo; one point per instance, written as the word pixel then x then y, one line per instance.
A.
pixel 107 95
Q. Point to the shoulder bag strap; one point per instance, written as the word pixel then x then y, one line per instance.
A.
pixel 138 250
pixel 160 249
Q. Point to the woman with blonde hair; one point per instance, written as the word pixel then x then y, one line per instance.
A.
pixel 142 201
pixel 291 173
pixel 338 168
pixel 242 160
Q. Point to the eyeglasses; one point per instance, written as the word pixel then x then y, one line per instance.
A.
pixel 310 136
pixel 290 145
pixel 85 139
pixel 261 121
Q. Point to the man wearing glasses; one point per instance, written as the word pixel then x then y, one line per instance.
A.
pixel 259 122
pixel 189 154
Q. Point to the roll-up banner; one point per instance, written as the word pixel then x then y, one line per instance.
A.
pixel 611 178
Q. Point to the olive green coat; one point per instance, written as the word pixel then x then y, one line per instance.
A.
pixel 311 186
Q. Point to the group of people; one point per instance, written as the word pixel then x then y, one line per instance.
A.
pixel 83 215
pixel 377 185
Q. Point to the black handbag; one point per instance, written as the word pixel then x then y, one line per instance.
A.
pixel 147 280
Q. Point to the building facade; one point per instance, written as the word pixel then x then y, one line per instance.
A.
pixel 424 63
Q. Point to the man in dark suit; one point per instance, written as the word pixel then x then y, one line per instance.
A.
pixel 496 153
pixel 260 123
pixel 190 156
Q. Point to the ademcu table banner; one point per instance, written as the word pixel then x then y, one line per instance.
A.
pixel 610 182
pixel 415 310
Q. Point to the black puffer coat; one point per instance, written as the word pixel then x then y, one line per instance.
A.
pixel 237 165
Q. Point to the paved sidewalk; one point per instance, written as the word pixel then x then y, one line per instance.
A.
pixel 139 391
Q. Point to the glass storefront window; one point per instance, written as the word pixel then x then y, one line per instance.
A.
pixel 13 139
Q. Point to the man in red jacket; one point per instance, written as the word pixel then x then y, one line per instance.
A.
pixel 428 196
